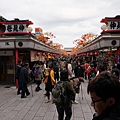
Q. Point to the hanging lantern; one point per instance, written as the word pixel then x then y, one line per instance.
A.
pixel 38 53
pixel 96 53
pixel 90 54
pixel 43 54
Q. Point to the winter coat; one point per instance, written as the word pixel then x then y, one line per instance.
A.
pixel 111 113
pixel 79 71
pixel 17 71
pixel 24 77
pixel 51 73
pixel 40 75
pixel 56 72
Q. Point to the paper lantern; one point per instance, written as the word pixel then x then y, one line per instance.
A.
pixel 96 53
pixel 43 54
pixel 38 53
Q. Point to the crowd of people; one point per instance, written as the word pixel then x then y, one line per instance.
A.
pixel 103 84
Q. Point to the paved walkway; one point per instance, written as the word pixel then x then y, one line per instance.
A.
pixel 12 107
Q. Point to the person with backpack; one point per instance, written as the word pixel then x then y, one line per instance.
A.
pixel 92 72
pixel 49 81
pixel 66 96
pixel 17 76
pixel 38 74
pixel 79 72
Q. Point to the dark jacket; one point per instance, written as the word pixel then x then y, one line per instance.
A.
pixel 56 72
pixel 17 71
pixel 111 113
pixel 79 71
pixel 24 77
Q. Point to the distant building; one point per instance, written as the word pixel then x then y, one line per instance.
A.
pixel 69 49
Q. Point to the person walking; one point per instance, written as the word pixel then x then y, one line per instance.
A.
pixel 79 73
pixel 92 72
pixel 86 65
pixel 70 93
pixel 17 76
pixel 49 81
pixel 104 91
pixel 56 70
pixel 38 73
pixel 79 70
pixel 24 78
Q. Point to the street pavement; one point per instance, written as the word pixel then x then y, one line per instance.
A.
pixel 12 107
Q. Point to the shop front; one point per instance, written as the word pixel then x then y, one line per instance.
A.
pixel 7 66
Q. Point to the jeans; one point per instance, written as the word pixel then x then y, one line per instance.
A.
pixel 61 110
pixel 24 90
pixel 19 86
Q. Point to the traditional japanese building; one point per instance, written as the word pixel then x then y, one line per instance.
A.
pixel 17 42
pixel 107 45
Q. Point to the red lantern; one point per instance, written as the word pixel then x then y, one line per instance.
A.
pixel 43 54
pixel 96 53
pixel 91 53
pixel 38 53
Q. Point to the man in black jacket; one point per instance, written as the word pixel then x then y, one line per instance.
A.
pixel 79 70
pixel 104 91
pixel 24 78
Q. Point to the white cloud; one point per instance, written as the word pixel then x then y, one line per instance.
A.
pixel 66 19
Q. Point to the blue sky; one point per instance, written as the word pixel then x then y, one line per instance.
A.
pixel 66 19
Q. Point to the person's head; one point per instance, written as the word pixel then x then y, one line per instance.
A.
pixel 50 65
pixel 104 90
pixel 92 65
pixel 19 62
pixel 64 65
pixel 116 72
pixel 26 65
pixel 79 63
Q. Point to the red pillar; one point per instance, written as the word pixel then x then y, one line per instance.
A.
pixel 118 56
pixel 16 62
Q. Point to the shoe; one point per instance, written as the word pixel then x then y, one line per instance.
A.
pixel 45 94
pixel 75 102
pixel 47 101
pixel 23 96
pixel 28 94
pixel 18 93
pixel 40 89
pixel 37 89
